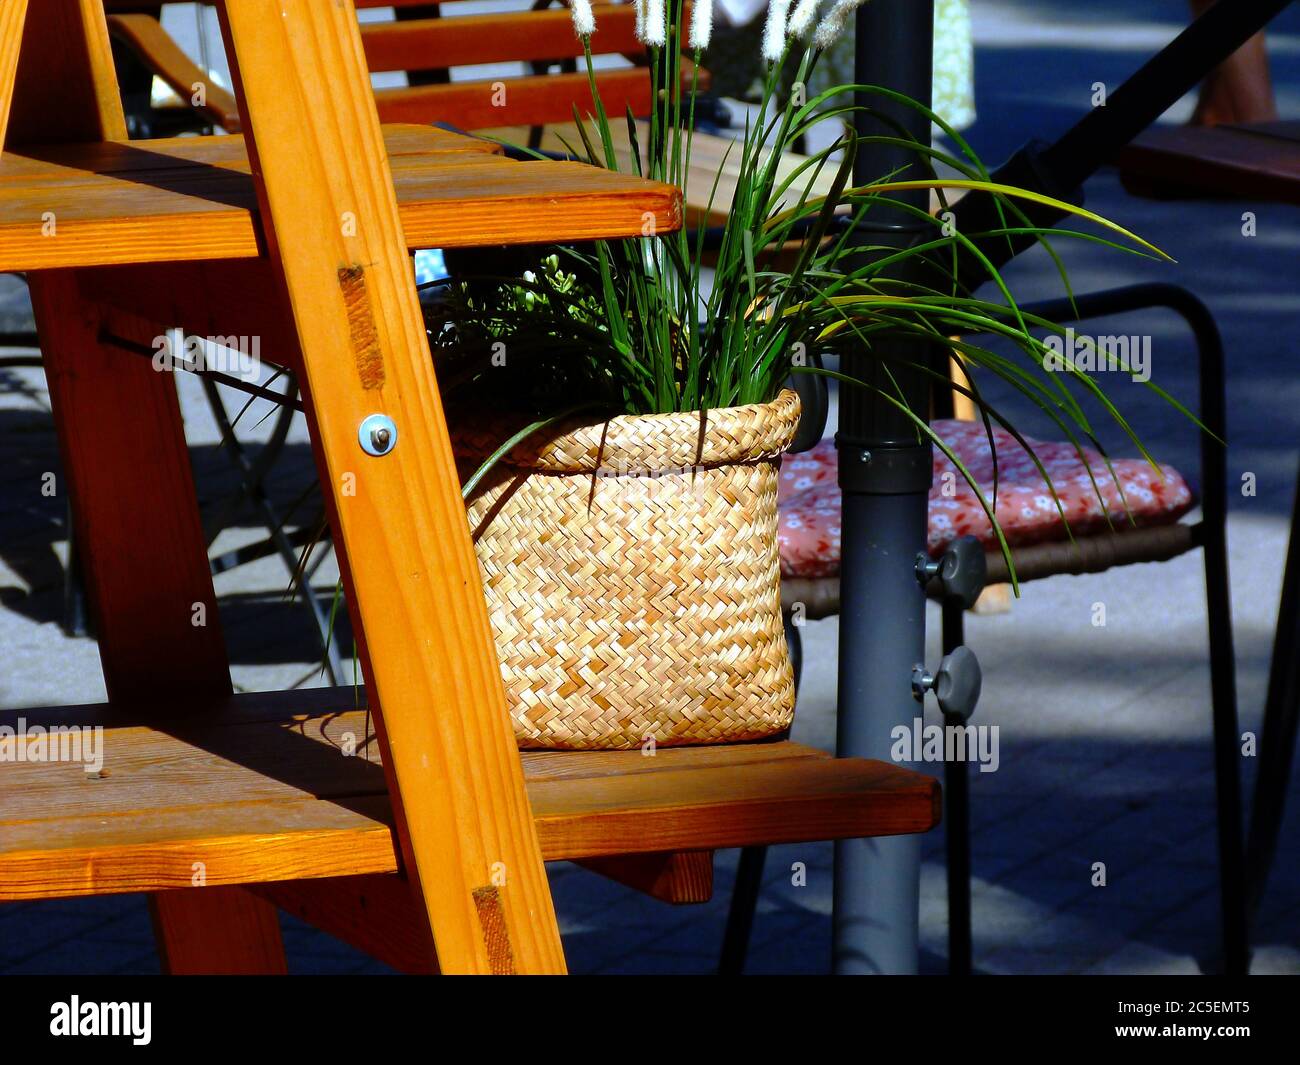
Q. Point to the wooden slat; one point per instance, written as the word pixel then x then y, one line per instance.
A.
pixel 263 789
pixel 532 100
pixel 167 207
pixel 715 161
pixel 333 229
pixel 518 36
pixel 1242 162
pixel 180 159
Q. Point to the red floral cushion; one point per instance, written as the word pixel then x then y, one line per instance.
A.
pixel 809 528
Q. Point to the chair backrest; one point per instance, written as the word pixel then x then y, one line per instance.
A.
pixel 515 65
pixel 541 38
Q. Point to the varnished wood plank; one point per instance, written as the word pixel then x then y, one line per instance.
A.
pixel 776 802
pixel 681 878
pixel 193 211
pixel 173 157
pixel 502 36
pixel 163 851
pixel 531 100
pixel 144 558
pixel 246 750
pixel 1243 162
pixel 575 765
pixel 711 180
pixel 469 845
pixel 276 786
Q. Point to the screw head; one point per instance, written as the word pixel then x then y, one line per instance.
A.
pixel 377 435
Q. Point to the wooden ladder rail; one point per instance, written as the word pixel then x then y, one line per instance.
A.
pixel 467 838
pixel 468 841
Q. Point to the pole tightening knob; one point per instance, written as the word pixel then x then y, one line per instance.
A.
pixel 956 685
pixel 961 572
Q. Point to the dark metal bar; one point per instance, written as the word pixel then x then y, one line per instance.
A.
pixel 885 475
pixel 1277 739
pixel 740 918
pixel 1059 170
pixel 1164 79
pixel 145 351
pixel 254 492
pixel 1214 504
pixel 956 821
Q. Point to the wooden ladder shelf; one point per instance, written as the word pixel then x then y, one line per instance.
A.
pixel 412 827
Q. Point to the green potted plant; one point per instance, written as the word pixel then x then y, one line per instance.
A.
pixel 624 408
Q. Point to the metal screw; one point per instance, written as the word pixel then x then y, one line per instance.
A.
pixel 378 435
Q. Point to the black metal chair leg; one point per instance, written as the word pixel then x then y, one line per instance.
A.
pixel 740 918
pixel 1227 755
pixel 749 873
pixel 75 621
pixel 1214 477
pixel 1277 738
pixel 956 823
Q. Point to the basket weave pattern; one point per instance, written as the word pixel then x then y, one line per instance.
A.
pixel 632 575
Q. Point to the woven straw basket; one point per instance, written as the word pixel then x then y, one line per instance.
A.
pixel 632 575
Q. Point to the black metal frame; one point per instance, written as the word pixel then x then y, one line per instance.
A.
pixel 1213 541
pixel 1277 739
pixel 1223 689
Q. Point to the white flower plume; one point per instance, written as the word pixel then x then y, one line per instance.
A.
pixel 584 19
pixel 701 23
pixel 801 20
pixel 774 31
pixel 655 32
pixel 832 24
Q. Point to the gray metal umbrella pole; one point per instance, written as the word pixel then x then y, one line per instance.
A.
pixel 885 477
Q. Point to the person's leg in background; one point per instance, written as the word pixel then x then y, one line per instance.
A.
pixel 1240 90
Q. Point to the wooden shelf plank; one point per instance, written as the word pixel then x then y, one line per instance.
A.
pixel 263 788
pixel 191 199
pixel 1259 161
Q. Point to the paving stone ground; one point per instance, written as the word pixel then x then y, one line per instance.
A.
pixel 1104 731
